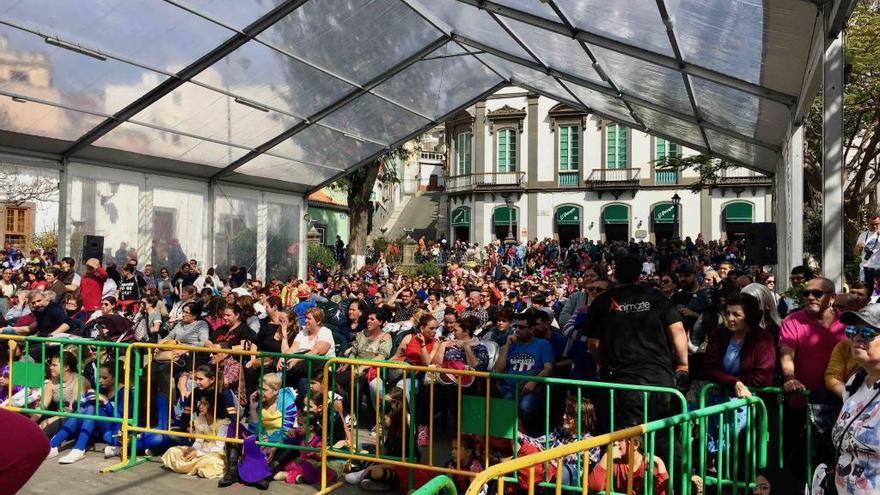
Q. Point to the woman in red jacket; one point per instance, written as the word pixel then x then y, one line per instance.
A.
pixel 739 355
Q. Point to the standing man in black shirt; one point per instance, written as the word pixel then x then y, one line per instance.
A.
pixel 636 337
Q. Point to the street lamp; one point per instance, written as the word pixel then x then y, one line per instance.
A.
pixel 509 240
pixel 676 200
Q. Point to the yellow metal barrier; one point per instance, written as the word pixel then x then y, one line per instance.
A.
pixel 141 358
pixel 408 373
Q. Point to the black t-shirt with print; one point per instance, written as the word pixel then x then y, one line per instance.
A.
pixel 234 335
pixel 632 323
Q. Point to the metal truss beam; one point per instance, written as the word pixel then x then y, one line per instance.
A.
pixel 634 51
pixel 627 98
pixel 185 74
pixel 372 158
pixel 320 114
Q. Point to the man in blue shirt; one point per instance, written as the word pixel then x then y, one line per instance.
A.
pixel 525 354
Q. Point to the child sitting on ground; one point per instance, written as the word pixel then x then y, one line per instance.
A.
pixel 465 459
pixel 205 458
pixel 306 469
pixel 621 450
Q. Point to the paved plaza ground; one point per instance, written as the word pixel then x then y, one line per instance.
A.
pixel 84 478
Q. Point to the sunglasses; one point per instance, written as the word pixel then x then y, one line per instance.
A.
pixel 866 333
pixel 595 289
pixel 815 293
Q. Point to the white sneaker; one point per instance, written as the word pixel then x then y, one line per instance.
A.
pixel 53 452
pixel 73 456
pixel 111 451
pixel 355 477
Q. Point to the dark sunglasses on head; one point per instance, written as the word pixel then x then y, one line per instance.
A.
pixel 867 333
pixel 815 293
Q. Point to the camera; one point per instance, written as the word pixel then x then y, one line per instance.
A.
pixel 868 253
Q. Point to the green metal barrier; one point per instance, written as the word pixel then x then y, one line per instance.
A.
pixel 486 415
pixel 30 375
pixel 494 477
pixel 440 485
pixel 779 395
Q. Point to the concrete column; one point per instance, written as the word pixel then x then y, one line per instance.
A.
pixel 63 216
pixel 706 212
pixel 832 161
pixel 479 150
pixel 531 165
pixel 532 208
pixel 477 219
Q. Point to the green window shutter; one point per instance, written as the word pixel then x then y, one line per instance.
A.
pixel 621 147
pixel 502 150
pixel 463 153
pixel 574 156
pixel 673 150
pixel 563 148
pixel 659 148
pixel 511 152
pixel 611 146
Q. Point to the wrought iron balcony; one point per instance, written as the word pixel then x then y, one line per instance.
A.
pixel 489 180
pixel 569 178
pixel 613 178
pixel 665 177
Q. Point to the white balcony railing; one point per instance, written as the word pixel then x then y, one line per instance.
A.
pixel 472 181
pixel 599 175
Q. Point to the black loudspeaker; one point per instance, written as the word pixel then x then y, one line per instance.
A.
pixel 93 247
pixel 760 243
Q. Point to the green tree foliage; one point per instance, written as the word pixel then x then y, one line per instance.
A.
pixel 359 186
pixel 321 254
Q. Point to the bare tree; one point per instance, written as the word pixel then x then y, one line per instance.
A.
pixel 18 188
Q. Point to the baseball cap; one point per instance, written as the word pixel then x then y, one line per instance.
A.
pixel 870 315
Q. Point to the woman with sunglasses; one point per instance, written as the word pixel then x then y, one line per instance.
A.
pixel 739 355
pixel 855 433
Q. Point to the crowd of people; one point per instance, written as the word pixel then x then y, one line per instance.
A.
pixel 677 315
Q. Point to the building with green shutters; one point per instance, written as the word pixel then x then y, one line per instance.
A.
pixel 522 161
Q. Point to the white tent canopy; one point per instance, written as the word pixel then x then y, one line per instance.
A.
pixel 293 94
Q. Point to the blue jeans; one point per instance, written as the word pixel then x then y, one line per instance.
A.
pixel 85 430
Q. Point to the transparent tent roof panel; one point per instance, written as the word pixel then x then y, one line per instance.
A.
pixel 556 51
pixel 648 81
pixel 634 22
pixel 686 132
pixel 374 118
pixel 264 75
pixel 148 141
pixel 747 114
pixel 742 151
pixel 358 39
pixel 738 38
pixel 273 167
pixel 63 77
pixel 321 145
pixel 602 103
pixel 445 80
pixel 237 15
pixel 156 34
pixel 39 119
pixel 192 109
pixel 473 23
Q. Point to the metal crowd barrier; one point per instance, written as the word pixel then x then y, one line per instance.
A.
pixel 141 359
pixel 779 395
pixel 484 416
pixel 28 374
pixel 497 475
